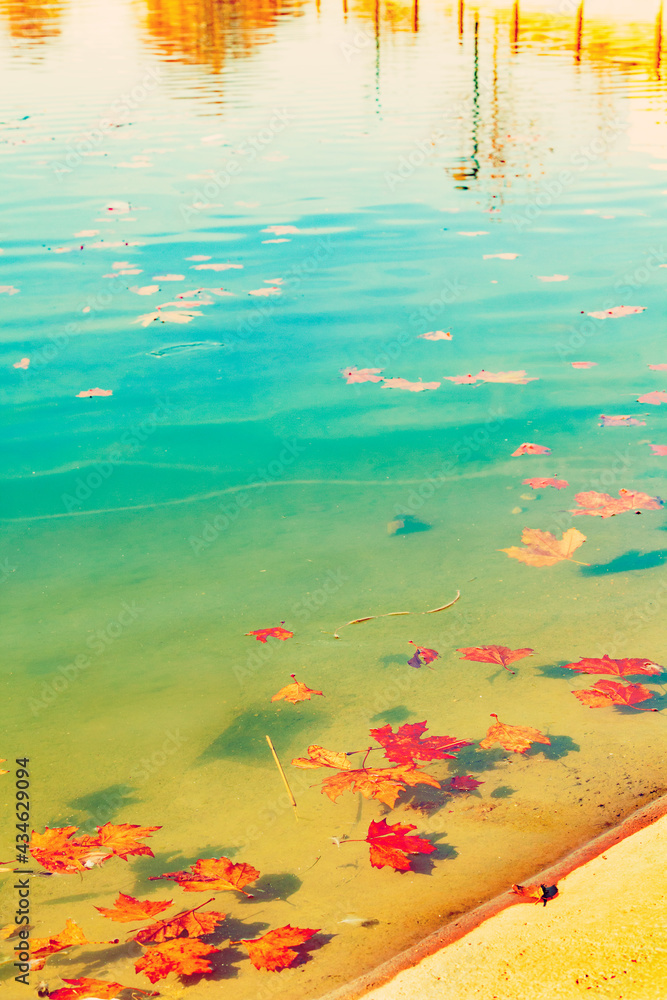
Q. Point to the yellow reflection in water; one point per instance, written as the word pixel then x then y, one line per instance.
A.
pixel 32 20
pixel 207 31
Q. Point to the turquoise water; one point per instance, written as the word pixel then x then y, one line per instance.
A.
pixel 233 480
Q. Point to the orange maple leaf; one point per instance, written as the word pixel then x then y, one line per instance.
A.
pixel 390 845
pixel 516 738
pixel 274 950
pixel 121 840
pixel 188 923
pixel 620 668
pixel 383 783
pixel 127 908
pixel 100 988
pixel 544 549
pixel 604 693
pixel 295 692
pixel 185 956
pixel 320 757
pixel 209 874
pixel 56 852
pixel 41 948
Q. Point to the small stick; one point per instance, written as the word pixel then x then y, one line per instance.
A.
pixel 283 776
pixel 394 614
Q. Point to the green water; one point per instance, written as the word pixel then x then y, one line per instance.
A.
pixel 234 481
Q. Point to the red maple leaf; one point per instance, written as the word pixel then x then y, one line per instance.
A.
pixel 538 484
pixel 262 634
pixel 187 923
pixel 619 668
pixel 405 746
pixel 658 449
pixel 422 656
pixel 604 505
pixel 127 908
pixel 390 845
pixel 100 988
pixel 184 956
pixel 604 693
pixel 494 654
pixel 527 448
pixel 462 783
pixel 213 874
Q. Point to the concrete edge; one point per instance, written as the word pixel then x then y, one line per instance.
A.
pixel 457 929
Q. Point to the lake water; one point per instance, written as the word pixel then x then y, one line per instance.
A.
pixel 361 174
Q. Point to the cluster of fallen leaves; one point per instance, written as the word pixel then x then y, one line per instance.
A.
pixel 172 944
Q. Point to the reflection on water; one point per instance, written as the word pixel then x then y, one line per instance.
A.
pixel 34 20
pixel 428 190
pixel 208 32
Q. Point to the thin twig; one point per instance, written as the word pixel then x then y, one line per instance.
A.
pixel 283 776
pixel 394 614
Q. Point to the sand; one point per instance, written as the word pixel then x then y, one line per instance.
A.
pixel 605 935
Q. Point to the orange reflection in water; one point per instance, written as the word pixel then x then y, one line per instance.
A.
pixel 208 31
pixel 32 20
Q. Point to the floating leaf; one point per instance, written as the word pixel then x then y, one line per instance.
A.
pixel 553 277
pixel 659 368
pixel 527 448
pixel 604 693
pixel 127 908
pixel 57 851
pixel 402 383
pixel 620 420
pixel 41 948
pixel 617 311
pixel 295 692
pixel 405 746
pixel 121 840
pixel 654 398
pixel 515 738
pixel 423 655
pixel 212 875
pixel 99 989
pixel 658 449
pixel 435 335
pixel 583 364
pixel 541 548
pixel 24 363
pixel 494 654
pixel 85 393
pixel 184 956
pixel 275 949
pixel 619 668
pixel 188 923
pixel 539 484
pixel 361 375
pixel 604 505
pixel 501 256
pixel 383 783
pixel 319 757
pixel 262 634
pixel 390 845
